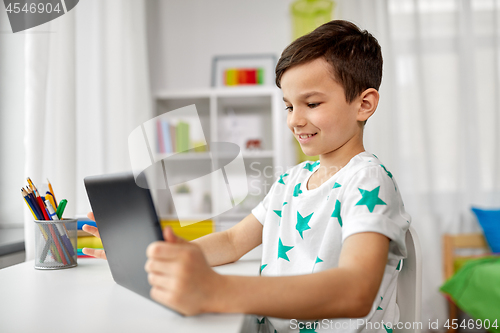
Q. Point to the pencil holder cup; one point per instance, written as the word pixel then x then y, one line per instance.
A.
pixel 55 244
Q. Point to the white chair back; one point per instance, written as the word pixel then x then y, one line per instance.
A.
pixel 409 294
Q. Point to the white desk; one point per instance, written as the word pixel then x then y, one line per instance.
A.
pixel 86 299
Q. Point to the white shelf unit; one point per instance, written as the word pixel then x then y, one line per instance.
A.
pixel 233 115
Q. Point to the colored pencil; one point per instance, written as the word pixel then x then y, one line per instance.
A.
pixel 52 192
pixel 25 196
pixel 34 204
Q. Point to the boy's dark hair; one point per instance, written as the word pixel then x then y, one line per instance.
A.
pixel 354 54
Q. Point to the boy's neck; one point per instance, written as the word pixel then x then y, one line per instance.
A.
pixel 329 166
pixel 332 162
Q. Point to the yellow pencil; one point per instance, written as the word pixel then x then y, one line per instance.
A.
pixel 32 186
pixel 52 200
pixel 52 191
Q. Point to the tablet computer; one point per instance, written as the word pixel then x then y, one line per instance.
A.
pixel 126 218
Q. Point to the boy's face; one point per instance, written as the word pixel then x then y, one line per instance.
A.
pixel 318 113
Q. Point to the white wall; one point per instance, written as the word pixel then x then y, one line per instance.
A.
pixel 185 35
pixel 11 123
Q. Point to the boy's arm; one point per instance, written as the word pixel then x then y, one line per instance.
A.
pixel 182 280
pixel 230 245
pixel 343 292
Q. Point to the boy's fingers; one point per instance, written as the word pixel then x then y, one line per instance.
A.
pixel 90 215
pixel 159 294
pixel 88 251
pixel 165 250
pixel 94 253
pixel 159 280
pixel 169 236
pixel 91 230
pixel 160 267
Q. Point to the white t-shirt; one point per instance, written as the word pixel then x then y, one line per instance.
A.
pixel 304 231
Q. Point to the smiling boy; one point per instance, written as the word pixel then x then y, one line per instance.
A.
pixel 333 231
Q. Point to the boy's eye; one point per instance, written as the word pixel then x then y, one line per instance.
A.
pixel 313 105
pixel 289 108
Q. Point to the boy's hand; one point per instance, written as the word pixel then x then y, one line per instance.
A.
pixel 93 230
pixel 180 276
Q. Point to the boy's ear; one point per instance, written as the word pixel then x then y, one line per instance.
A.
pixel 368 104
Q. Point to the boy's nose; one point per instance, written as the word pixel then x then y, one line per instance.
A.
pixel 296 119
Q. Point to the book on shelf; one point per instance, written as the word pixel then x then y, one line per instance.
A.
pixel 161 141
pixel 182 136
pixel 165 129
pixel 173 142
pixel 191 231
pixel 81 222
pixel 82 233
pixel 89 241
pixel 80 254
pixel 85 239
pixel 171 137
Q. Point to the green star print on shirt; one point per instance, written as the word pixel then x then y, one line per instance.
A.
pixel 336 212
pixel 297 190
pixel 381 299
pixel 308 327
pixel 281 179
pixel 282 250
pixel 278 212
pixel 310 166
pixel 370 199
pixel 318 260
pixel 390 176
pixel 388 173
pixel 303 223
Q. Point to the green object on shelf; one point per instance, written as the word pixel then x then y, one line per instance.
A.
pixel 307 15
pixel 182 137
pixel 183 188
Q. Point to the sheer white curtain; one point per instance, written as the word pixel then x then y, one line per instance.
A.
pixel 87 87
pixel 437 125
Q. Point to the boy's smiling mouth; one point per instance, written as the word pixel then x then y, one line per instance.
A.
pixel 305 137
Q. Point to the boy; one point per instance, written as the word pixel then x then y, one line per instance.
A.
pixel 333 231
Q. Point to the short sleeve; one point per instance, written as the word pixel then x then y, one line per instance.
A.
pixel 371 203
pixel 260 211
